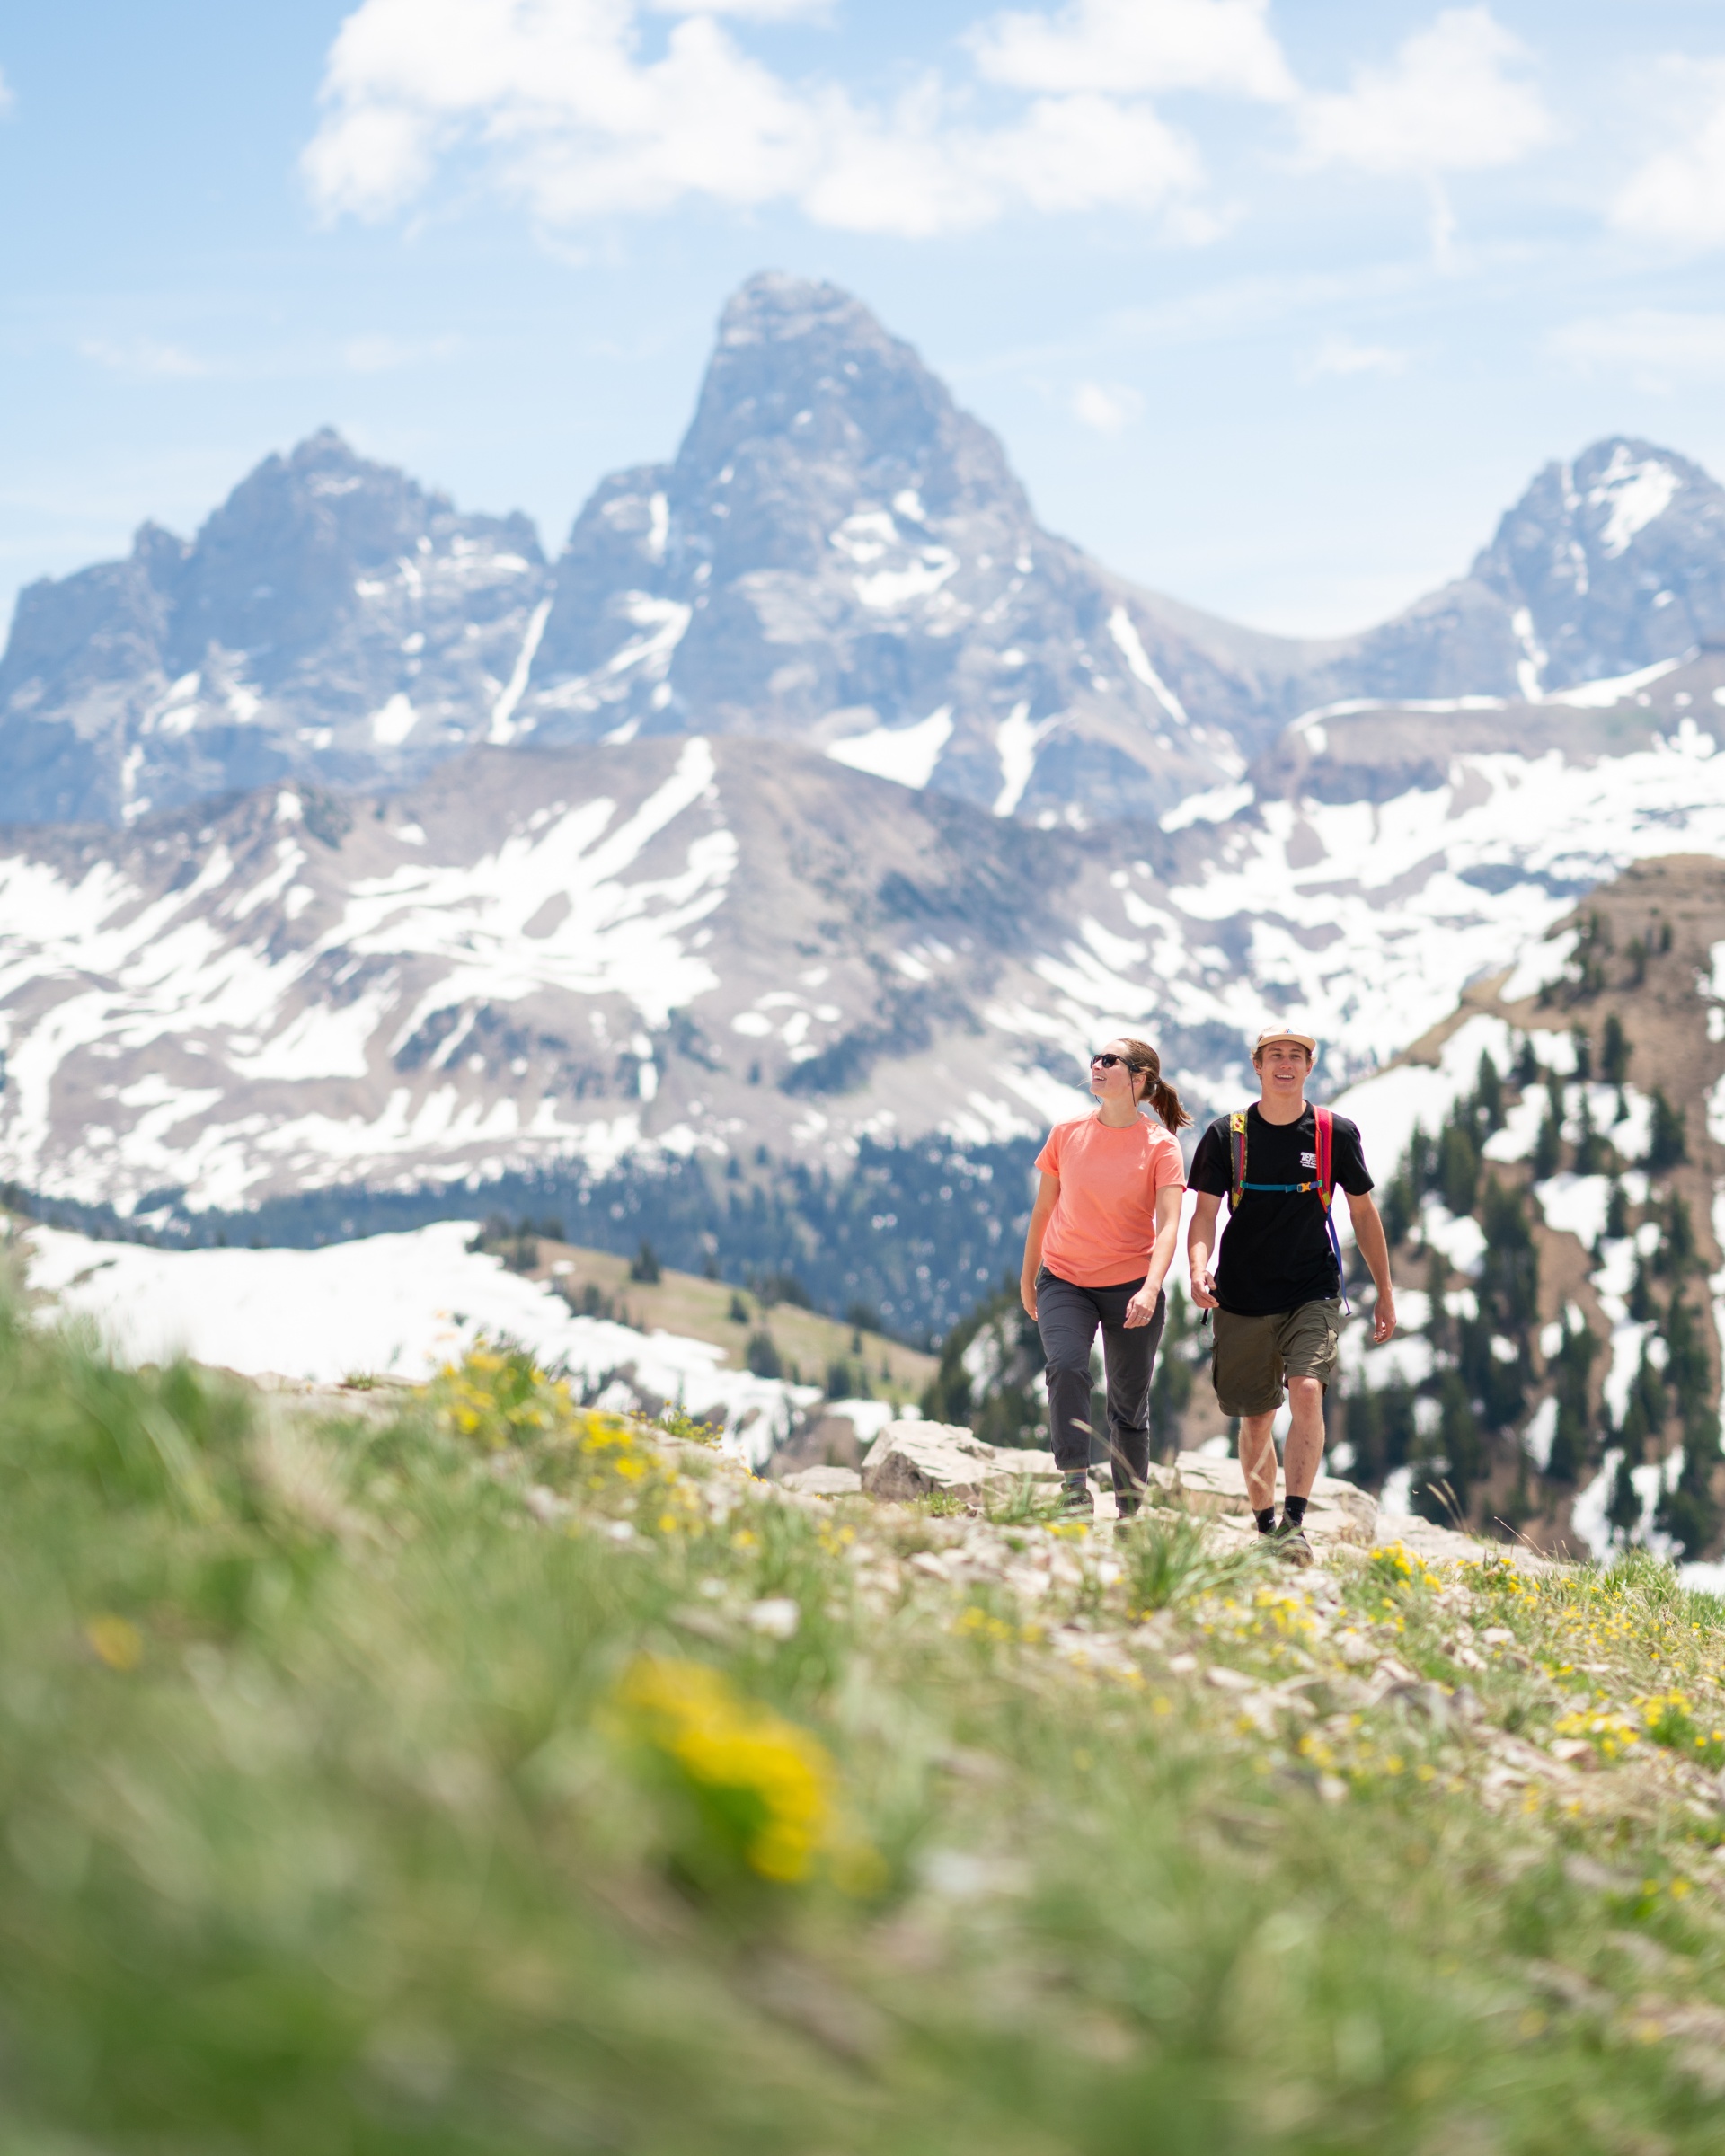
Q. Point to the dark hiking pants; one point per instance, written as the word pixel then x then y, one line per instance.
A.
pixel 1067 1317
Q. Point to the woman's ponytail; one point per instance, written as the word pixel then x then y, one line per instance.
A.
pixel 1165 1101
pixel 1143 1059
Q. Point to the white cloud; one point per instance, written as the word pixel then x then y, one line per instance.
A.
pixel 5 94
pixel 1342 355
pixel 1654 346
pixel 1448 103
pixel 145 356
pixel 1679 192
pixel 574 123
pixel 378 353
pixel 1107 406
pixel 557 101
pixel 755 10
pixel 1122 45
pixel 918 174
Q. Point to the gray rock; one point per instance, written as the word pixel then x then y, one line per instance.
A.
pixel 824 1482
pixel 917 1459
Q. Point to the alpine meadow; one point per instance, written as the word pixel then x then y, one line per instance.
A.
pixel 862 1079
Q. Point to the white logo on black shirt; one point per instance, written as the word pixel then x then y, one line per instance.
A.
pixel 1308 1160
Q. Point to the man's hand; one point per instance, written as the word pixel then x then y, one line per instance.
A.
pixel 1383 1318
pixel 1142 1308
pixel 1200 1242
pixel 1027 1296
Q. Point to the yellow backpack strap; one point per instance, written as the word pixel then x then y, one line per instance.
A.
pixel 1237 1155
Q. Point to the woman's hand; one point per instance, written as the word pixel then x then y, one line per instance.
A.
pixel 1047 1196
pixel 1142 1308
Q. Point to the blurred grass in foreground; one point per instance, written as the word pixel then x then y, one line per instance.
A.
pixel 485 1779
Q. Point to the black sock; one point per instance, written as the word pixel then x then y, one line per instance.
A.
pixel 1294 1511
pixel 1266 1520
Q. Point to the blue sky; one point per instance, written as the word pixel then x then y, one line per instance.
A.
pixel 1276 306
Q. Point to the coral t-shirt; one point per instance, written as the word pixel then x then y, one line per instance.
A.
pixel 1103 1226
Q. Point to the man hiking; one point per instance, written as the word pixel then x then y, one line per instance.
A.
pixel 1275 1290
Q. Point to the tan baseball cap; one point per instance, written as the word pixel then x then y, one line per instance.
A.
pixel 1276 1033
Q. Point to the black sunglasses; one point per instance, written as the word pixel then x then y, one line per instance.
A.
pixel 1107 1063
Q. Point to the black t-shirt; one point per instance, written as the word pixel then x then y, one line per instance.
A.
pixel 1275 1253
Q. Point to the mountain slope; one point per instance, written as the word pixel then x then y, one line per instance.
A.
pixel 711 1821
pixel 1559 1218
pixel 536 956
pixel 693 948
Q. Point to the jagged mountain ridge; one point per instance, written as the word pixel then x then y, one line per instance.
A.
pixel 837 554
pixel 327 611
pixel 840 554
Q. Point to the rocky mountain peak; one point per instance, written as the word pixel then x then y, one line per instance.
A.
pixel 840 554
pixel 274 569
pixel 1610 562
pixel 331 618
pixel 804 383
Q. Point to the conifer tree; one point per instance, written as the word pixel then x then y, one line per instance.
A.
pixel 1459 1167
pixel 1614 1051
pixel 1623 1502
pixel 1572 1365
pixel 1488 1094
pixel 1668 1143
pixel 1590 1148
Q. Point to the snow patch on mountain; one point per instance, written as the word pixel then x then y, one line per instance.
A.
pixel 1369 917
pixel 907 755
pixel 1634 490
pixel 387 1305
pixel 1618 688
pixel 1120 627
pixel 1016 744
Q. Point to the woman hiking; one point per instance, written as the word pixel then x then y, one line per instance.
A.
pixel 1102 1238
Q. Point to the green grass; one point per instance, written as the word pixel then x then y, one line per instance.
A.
pixel 1169 1559
pixel 486 1780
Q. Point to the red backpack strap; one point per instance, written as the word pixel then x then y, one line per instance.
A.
pixel 1237 1150
pixel 1326 1124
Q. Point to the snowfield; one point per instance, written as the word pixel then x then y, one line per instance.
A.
pixel 388 1306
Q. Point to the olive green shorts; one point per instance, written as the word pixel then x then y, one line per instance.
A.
pixel 1253 1357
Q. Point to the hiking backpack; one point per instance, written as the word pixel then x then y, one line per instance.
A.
pixel 1323 1182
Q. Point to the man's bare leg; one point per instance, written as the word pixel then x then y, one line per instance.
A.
pixel 1258 1460
pixel 1303 1449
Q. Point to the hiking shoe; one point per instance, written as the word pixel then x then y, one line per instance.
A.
pixel 1077 1502
pixel 1290 1545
